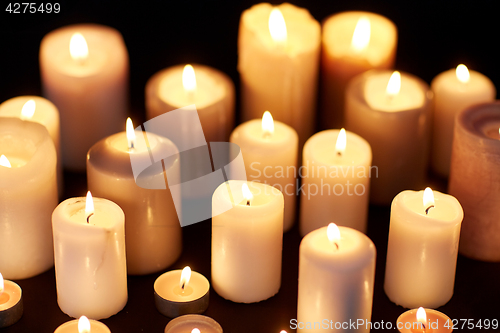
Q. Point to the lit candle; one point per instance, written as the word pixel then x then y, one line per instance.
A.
pixel 336 274
pixel 353 42
pixel 82 325
pixel 423 248
pixel 89 243
pixel 278 56
pixel 153 236
pixel 475 180
pixel 454 91
pixel 335 181
pixel 247 236
pixel 193 323
pixel 28 195
pixel 181 292
pixel 11 302
pixel 84 71
pixel 424 321
pixel 391 111
pixel 269 150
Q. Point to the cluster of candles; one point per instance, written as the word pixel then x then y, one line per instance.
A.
pixel 95 242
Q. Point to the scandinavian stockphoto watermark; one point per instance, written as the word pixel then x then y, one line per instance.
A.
pixel 327 324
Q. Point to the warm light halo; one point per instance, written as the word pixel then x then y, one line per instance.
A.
pixel 361 35
pixel 333 232
pixel 277 27
pixel 246 192
pixel 83 325
pixel 28 109
pixel 89 205
pixel 195 330
pixel 462 73
pixel 4 161
pixel 267 123
pixel 185 277
pixel 129 127
pixel 394 84
pixel 341 143
pixel 78 48
pixel 189 79
pixel 428 199
pixel 2 286
pixel 421 316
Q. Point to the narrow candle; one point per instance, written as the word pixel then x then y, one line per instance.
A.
pixel 83 325
pixel 11 302
pixel 193 323
pixel 424 321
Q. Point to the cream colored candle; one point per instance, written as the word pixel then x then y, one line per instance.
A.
pixel 424 320
pixel 86 77
pixel 11 302
pixel 193 324
pixel 335 181
pixel 211 91
pixel 353 42
pixel 336 275
pixel 152 230
pixel 28 195
pixel 454 91
pixel 89 244
pixel 82 325
pixel 278 56
pixel 247 235
pixel 392 111
pixel 422 249
pixel 270 151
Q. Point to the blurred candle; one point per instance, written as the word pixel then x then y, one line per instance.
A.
pixel 193 323
pixel 82 325
pixel 424 320
pixel 11 302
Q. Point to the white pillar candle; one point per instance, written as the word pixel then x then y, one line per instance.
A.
pixel 246 241
pixel 211 91
pixel 422 249
pixel 87 79
pixel 454 91
pixel 152 229
pixel 392 111
pixel 82 325
pixel 424 320
pixel 89 243
pixel 353 42
pixel 269 150
pixel 336 275
pixel 28 195
pixel 11 302
pixel 193 324
pixel 278 58
pixel 335 181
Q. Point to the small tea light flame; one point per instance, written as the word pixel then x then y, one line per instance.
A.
pixel 189 80
pixel 130 133
pixel 78 48
pixel 361 35
pixel 2 287
pixel 185 277
pixel 428 200
pixel 394 84
pixel 422 316
pixel 283 331
pixel 83 325
pixel 4 161
pixel 341 142
pixel 89 206
pixel 277 27
pixel 462 73
pixel 28 110
pixel 267 124
pixel 195 330
pixel 247 193
pixel 333 233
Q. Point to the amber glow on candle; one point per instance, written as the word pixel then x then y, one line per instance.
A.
pixel 361 35
pixel 341 142
pixel 130 133
pixel 462 73
pixel 78 48
pixel 428 199
pixel 267 124
pixel 185 277
pixel 195 330
pixel 277 27
pixel 89 206
pixel 247 193
pixel 394 85
pixel 4 162
pixel 333 234
pixel 83 325
pixel 28 110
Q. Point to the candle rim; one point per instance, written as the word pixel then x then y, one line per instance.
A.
pixel 15 293
pixel 196 277
pixel 468 122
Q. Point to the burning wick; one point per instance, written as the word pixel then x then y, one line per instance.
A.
pixel 428 200
pixel 427 210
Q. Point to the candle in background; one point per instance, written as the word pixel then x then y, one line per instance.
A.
pixel 211 91
pixel 84 71
pixel 270 151
pixel 89 243
pixel 152 230
pixel 392 111
pixel 28 195
pixel 475 179
pixel 193 323
pixel 353 42
pixel 335 181
pixel 11 302
pixel 336 275
pixel 246 241
pixel 82 325
pixel 422 249
pixel 278 55
pixel 424 320
pixel 454 91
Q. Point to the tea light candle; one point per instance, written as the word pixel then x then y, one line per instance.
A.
pixel 11 302
pixel 353 42
pixel 83 325
pixel 475 180
pixel 84 71
pixel 422 249
pixel 391 111
pixel 181 292
pixel 193 323
pixel 89 243
pixel 424 320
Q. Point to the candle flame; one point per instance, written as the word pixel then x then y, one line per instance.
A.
pixel 462 73
pixel 5 162
pixel 277 27
pixel 333 233
pixel 89 205
pixel 130 133
pixel 28 110
pixel 283 331
pixel 2 287
pixel 78 48
pixel 394 84
pixel 83 325
pixel 421 316
pixel 341 142
pixel 189 79
pixel 247 193
pixel 428 199
pixel 195 330
pixel 267 123
pixel 361 35
pixel 185 277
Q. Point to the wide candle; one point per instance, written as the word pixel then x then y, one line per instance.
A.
pixel 353 42
pixel 269 150
pixel 82 325
pixel 336 275
pixel 84 71
pixel 424 320
pixel 392 111
pixel 422 249
pixel 335 181
pixel 475 179
pixel 28 195
pixel 247 236
pixel 193 323
pixel 278 56
pixel 89 244
pixel 11 302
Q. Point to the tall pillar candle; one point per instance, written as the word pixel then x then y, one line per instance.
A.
pixel 84 71
pixel 353 42
pixel 392 111
pixel 454 90
pixel 336 275
pixel 475 179
pixel 247 237
pixel 335 181
pixel 28 195
pixel 278 59
pixel 89 244
pixel 270 151
pixel 422 249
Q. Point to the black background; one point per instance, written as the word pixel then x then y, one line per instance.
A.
pixel 433 37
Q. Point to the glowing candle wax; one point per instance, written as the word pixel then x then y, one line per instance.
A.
pixel 424 321
pixel 193 324
pixel 11 302
pixel 82 325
